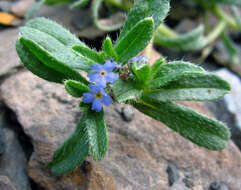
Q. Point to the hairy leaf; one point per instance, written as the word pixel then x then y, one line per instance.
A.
pixel 93 55
pixel 157 9
pixel 55 48
pixel 126 90
pixel 170 71
pixel 75 88
pixel 199 129
pixel 193 40
pixel 36 67
pixel 141 71
pixel 57 2
pixel 155 67
pixel 191 86
pixel 135 40
pixel 97 134
pixel 108 49
pixel 72 152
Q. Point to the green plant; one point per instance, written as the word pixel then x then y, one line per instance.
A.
pixel 118 74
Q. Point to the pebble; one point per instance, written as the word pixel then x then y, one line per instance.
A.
pixel 5 6
pixel 218 186
pixel 2 141
pixel 20 7
pixel 173 174
pixel 127 113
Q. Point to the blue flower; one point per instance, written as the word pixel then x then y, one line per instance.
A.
pixel 97 97
pixel 103 73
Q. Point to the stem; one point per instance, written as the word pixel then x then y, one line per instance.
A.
pixel 166 31
pixel 223 16
pixel 216 32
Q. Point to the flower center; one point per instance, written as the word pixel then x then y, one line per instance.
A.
pixel 102 73
pixel 98 95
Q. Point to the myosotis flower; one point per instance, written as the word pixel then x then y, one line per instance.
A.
pixel 97 96
pixel 102 74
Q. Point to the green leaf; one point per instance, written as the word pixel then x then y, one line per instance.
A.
pixel 199 129
pixel 55 30
pixel 231 48
pixel 50 62
pixel 97 134
pixel 72 152
pixel 135 40
pixel 191 86
pixel 57 2
pixel 141 71
pixel 56 48
pixel 89 53
pixel 79 4
pixel 233 2
pixel 75 88
pixel 108 49
pixel 193 40
pixel 32 10
pixel 125 90
pixel 95 12
pixel 170 71
pixel 157 9
pixel 37 67
pixel 155 67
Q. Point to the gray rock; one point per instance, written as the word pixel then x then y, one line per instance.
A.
pixel 228 109
pixel 138 154
pixel 173 174
pixel 179 185
pixel 5 183
pixel 218 186
pixel 127 113
pixel 8 56
pixel 20 7
pixel 5 6
pixel 2 134
pixel 13 163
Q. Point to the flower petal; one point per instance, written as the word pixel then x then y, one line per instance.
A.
pixel 88 97
pixel 93 76
pixel 107 100
pixel 111 77
pixel 109 65
pixel 97 105
pixel 96 67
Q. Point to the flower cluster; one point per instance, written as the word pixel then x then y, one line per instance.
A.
pixel 101 75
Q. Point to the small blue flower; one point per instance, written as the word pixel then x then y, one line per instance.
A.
pixel 97 97
pixel 103 73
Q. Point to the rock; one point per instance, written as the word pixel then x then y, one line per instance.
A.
pixel 20 7
pixel 2 134
pixel 173 174
pixel 217 186
pixel 127 113
pixel 13 163
pixel 5 6
pixel 5 183
pixel 8 55
pixel 139 151
pixel 228 109
pixel 179 186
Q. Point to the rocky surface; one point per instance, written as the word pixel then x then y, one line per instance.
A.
pixel 13 162
pixel 228 109
pixel 139 150
pixel 5 183
pixel 8 55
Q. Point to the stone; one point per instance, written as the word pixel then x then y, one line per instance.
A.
pixel 5 183
pixel 5 6
pixel 173 174
pixel 228 109
pixel 13 162
pixel 8 56
pixel 139 151
pixel 2 134
pixel 218 186
pixel 20 7
pixel 127 113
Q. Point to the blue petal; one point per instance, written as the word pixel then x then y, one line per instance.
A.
pixel 96 67
pixel 97 105
pixel 107 100
pixel 109 66
pixel 93 76
pixel 111 77
pixel 88 97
